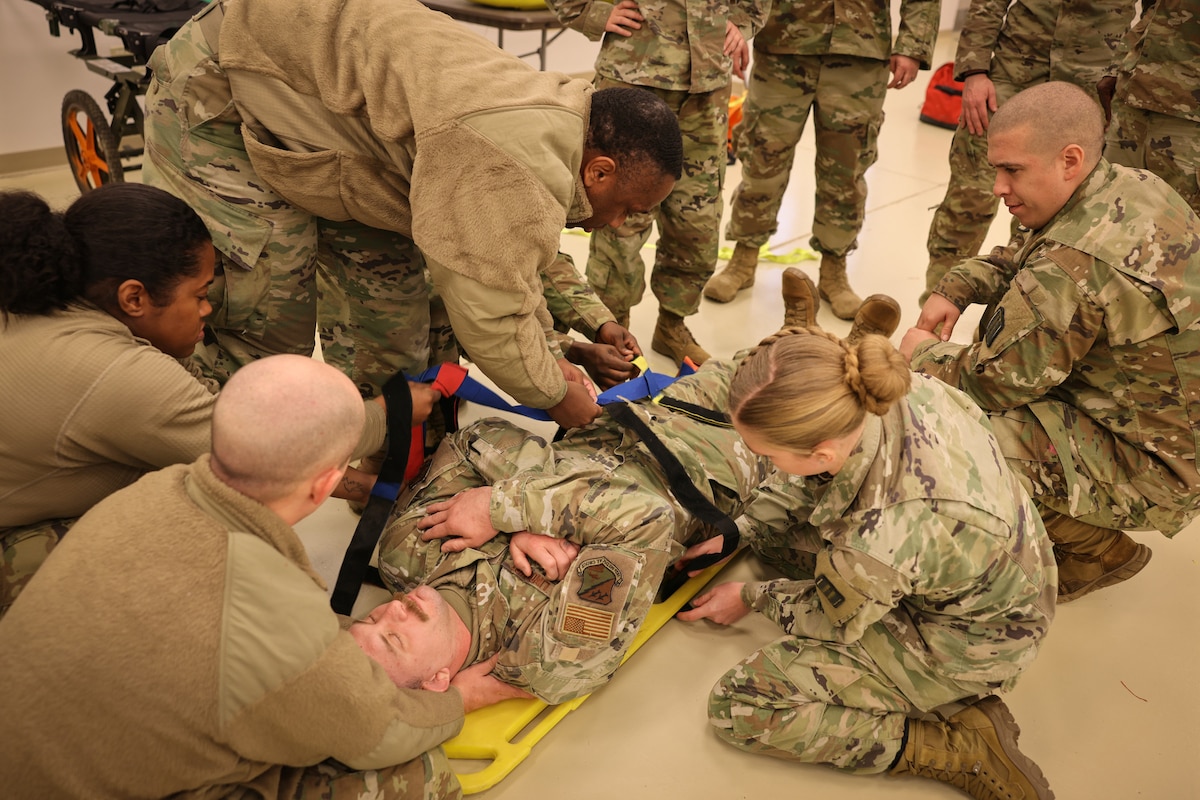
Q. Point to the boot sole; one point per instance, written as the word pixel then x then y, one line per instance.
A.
pixel 1140 558
pixel 1008 732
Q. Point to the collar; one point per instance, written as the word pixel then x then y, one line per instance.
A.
pixel 581 207
pixel 844 486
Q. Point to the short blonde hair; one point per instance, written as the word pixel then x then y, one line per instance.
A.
pixel 802 386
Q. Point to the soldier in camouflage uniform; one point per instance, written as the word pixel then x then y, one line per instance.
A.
pixel 600 488
pixel 917 573
pixel 1002 50
pixel 834 57
pixel 680 50
pixel 1156 109
pixel 291 143
pixel 1089 366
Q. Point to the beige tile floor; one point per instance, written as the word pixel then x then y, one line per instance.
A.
pixel 1110 710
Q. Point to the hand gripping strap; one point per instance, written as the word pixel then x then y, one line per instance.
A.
pixel 370 527
pixel 682 487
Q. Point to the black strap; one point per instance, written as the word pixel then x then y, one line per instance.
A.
pixel 685 492
pixel 357 561
pixel 712 417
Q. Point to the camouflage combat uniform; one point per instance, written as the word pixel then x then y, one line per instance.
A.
pixel 834 57
pixel 598 487
pixel 677 54
pixel 1029 43
pixel 1090 366
pixel 319 185
pixel 917 576
pixel 1156 108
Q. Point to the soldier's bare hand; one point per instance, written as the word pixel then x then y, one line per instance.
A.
pixel 423 397
pixel 938 316
pixel 577 408
pixel 619 337
pixel 624 19
pixel 904 71
pixel 553 555
pixel 737 49
pixel 464 520
pixel 979 103
pixel 722 604
pixel 603 362
pixel 479 687
pixel 707 547
pixel 913 339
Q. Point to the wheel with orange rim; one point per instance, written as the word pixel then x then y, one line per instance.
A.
pixel 92 149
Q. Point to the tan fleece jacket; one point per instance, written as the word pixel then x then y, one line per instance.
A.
pixel 384 112
pixel 177 642
pixel 89 408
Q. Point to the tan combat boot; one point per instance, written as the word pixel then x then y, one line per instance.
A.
pixel 975 750
pixel 672 338
pixel 879 314
pixel 1091 558
pixel 800 300
pixel 738 274
pixel 835 288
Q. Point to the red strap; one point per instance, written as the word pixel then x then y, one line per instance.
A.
pixel 449 378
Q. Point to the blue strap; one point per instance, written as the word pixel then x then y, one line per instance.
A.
pixel 647 384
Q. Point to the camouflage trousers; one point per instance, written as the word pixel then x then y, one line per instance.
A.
pixel 961 221
pixel 1090 475
pixel 826 703
pixel 847 94
pixel 594 488
pixel 427 777
pixel 23 550
pixel 689 220
pixel 282 271
pixel 845 705
pixel 1167 146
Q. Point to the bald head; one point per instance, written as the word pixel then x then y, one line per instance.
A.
pixel 1054 115
pixel 282 420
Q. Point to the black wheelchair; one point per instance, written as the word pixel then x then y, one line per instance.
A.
pixel 101 147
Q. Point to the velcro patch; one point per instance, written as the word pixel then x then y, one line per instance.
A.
pixel 588 622
pixel 995 326
pixel 598 579
pixel 832 595
pixel 839 599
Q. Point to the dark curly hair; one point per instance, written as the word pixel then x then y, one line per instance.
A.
pixel 635 125
pixel 118 232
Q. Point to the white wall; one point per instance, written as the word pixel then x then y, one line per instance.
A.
pixel 36 69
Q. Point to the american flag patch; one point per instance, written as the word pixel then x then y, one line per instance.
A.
pixel 592 623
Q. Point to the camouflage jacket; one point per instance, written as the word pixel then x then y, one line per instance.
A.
pixel 1098 310
pixel 927 547
pixel 680 46
pixel 1162 71
pixel 571 301
pixel 859 28
pixel 600 487
pixel 715 458
pixel 1033 41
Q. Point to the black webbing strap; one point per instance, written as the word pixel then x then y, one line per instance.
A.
pixel 357 561
pixel 718 418
pixel 685 492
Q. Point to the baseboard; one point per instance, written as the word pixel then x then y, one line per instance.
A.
pixel 29 160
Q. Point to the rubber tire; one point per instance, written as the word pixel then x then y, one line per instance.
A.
pixel 92 150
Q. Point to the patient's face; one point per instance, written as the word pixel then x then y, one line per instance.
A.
pixel 412 638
